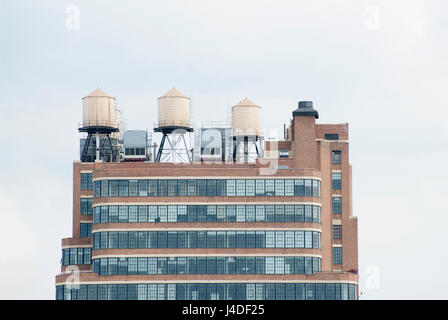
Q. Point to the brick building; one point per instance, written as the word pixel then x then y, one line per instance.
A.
pixel 278 228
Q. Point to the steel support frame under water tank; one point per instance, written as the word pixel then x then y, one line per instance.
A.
pixel 102 151
pixel 251 149
pixel 173 146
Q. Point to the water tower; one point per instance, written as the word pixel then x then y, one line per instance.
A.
pixel 247 136
pixel 99 122
pixel 173 123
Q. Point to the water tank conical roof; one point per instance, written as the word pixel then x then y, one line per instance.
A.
pixel 246 118
pixel 99 110
pixel 173 92
pixel 98 93
pixel 246 102
pixel 173 110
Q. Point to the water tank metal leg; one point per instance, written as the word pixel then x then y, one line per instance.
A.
pixel 111 149
pixel 234 149
pixel 186 149
pixel 246 149
pixel 97 146
pixel 256 148
pixel 85 150
pixel 162 143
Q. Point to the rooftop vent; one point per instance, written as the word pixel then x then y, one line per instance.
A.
pixel 305 109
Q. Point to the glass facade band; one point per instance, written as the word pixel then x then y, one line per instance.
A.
pixel 73 256
pixel 208 188
pixel 207 213
pixel 206 239
pixel 209 291
pixel 206 265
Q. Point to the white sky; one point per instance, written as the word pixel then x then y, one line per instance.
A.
pixel 380 65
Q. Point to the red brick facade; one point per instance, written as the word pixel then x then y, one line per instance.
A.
pixel 310 156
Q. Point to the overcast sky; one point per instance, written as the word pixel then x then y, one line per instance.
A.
pixel 381 66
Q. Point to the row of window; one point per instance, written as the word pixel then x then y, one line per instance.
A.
pixel 72 256
pixel 207 265
pixel 208 213
pixel 208 188
pixel 206 239
pixel 209 291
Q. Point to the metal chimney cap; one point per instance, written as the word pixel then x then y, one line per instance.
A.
pixel 305 104
pixel 305 109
